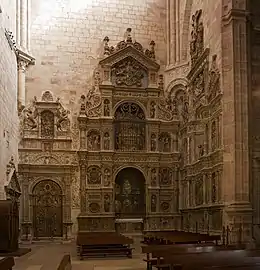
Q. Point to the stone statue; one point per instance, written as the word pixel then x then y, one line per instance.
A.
pixel 201 150
pixel 106 203
pixel 106 108
pixel 153 203
pixel 153 142
pixel 106 177
pixel 153 177
pixel 106 141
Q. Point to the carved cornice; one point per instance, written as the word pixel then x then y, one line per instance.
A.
pixel 23 56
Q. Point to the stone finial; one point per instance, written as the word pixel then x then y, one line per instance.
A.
pixel 151 52
pixel 128 35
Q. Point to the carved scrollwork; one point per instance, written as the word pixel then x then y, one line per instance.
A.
pixel 197 37
pixel 75 193
pixel 165 110
pixel 128 72
pixel 29 117
pixel 63 121
pixel 94 175
pixel 93 139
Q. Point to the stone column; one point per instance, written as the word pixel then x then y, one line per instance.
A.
pixel 23 24
pixel 21 84
pixel 83 207
pixel 18 19
pixel 236 96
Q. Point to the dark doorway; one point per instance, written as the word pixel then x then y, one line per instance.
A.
pixel 47 209
pixel 130 194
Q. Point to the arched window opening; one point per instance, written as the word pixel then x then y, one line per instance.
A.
pixel 129 128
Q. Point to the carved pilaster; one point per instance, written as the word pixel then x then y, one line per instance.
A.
pixel 83 206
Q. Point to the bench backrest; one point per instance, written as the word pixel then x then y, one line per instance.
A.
pixel 7 263
pixel 65 263
pixel 102 239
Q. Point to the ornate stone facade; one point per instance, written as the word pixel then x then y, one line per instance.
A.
pixel 126 123
pixel 47 168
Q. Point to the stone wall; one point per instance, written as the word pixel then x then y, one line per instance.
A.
pixel 67 40
pixel 8 92
pixel 179 14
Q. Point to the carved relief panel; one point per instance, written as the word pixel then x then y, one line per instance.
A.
pixel 47 124
pixel 94 175
pixel 165 176
pixel 107 109
pixel 93 140
pixel 154 175
pixel 153 142
pixel 107 177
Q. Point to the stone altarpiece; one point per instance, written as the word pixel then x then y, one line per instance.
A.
pixel 128 143
pixel 47 168
pixel 201 204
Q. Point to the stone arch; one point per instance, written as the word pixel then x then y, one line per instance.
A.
pixel 129 127
pixel 141 105
pixel 176 85
pixel 130 193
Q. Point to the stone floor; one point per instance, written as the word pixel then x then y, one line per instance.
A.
pixel 46 256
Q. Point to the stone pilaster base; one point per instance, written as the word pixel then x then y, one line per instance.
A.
pixel 237 221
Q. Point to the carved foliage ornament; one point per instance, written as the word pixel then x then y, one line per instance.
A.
pixel 214 79
pixel 128 72
pixel 94 175
pixel 197 37
pixel 62 122
pixel 128 41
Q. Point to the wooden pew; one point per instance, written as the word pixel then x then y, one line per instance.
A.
pixel 103 244
pixel 65 263
pixel 205 258
pixel 170 237
pixel 7 263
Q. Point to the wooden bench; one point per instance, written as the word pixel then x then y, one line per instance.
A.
pixel 7 263
pixel 170 237
pixel 206 259
pixel 103 244
pixel 65 263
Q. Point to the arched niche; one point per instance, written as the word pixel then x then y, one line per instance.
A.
pixel 130 193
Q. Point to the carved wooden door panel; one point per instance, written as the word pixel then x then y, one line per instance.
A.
pixel 47 211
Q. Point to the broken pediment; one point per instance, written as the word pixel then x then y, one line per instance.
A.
pixel 128 64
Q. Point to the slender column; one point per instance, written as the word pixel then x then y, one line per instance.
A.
pixel 173 34
pixel 18 15
pixel 177 33
pixel 29 4
pixel 23 24
pixel 168 31
pixel 21 84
